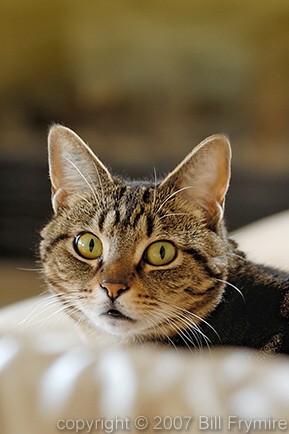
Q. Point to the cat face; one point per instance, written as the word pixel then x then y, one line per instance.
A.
pixel 138 260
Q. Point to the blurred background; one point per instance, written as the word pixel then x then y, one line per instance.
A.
pixel 142 83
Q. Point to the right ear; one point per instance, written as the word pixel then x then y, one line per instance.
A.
pixel 73 167
pixel 203 178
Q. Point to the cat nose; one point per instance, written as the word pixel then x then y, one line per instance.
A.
pixel 114 288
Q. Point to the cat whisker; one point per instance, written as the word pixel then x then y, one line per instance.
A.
pixel 34 318
pixel 99 179
pixel 53 315
pixel 81 316
pixel 188 323
pixel 35 308
pixel 42 305
pixel 58 318
pixel 236 255
pixel 163 318
pixel 154 320
pixel 67 303
pixel 186 313
pixel 171 196
pixel 90 186
pixel 155 189
pixel 36 270
pixel 192 328
pixel 84 199
pixel 199 334
pixel 181 333
pixel 202 320
pixel 155 324
pixel 174 316
pixel 173 214
pixel 233 286
pixel 172 311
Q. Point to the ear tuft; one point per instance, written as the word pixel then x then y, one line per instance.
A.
pixel 73 167
pixel 204 177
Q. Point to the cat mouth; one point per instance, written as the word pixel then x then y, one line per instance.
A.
pixel 114 313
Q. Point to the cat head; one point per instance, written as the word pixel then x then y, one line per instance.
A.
pixel 139 260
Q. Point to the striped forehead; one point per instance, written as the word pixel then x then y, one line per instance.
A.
pixel 129 209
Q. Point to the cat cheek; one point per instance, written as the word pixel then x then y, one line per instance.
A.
pixel 219 263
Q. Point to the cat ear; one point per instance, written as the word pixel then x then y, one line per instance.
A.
pixel 73 167
pixel 203 177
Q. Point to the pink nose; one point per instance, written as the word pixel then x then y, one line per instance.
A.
pixel 114 287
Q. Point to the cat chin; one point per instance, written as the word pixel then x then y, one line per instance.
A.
pixel 119 327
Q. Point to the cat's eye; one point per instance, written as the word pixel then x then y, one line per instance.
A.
pixel 88 245
pixel 160 253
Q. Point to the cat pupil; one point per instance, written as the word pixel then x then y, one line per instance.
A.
pixel 91 245
pixel 162 252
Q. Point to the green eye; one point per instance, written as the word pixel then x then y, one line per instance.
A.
pixel 160 253
pixel 88 245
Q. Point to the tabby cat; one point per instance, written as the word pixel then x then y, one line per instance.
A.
pixel 140 261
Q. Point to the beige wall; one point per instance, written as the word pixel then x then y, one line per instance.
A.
pixel 140 74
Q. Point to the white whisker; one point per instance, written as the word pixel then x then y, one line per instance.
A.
pixel 155 189
pixel 176 329
pixel 37 270
pixel 233 286
pixel 173 214
pixel 202 320
pixel 99 179
pixel 235 254
pixel 85 180
pixel 153 324
pixel 171 196
pixel 44 304
pixel 189 324
pixel 187 313
pixel 84 199
pixel 172 314
pixel 35 309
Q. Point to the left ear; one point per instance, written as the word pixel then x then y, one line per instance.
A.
pixel 203 178
pixel 73 167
